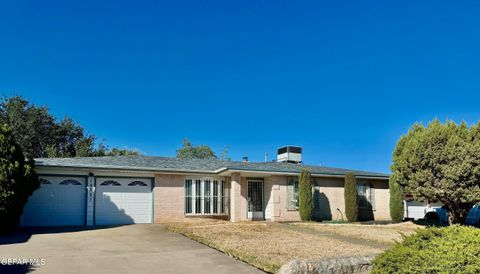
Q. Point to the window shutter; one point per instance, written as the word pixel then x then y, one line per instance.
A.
pixel 290 194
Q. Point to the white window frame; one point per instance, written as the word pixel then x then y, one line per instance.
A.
pixel 293 181
pixel 190 196
pixel 221 183
pixel 367 191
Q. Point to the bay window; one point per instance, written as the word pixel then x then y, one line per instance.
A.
pixel 205 196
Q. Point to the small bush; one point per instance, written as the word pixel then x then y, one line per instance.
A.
pixel 396 201
pixel 305 196
pixel 351 199
pixel 453 249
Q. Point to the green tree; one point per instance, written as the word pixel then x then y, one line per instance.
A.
pixel 224 156
pixel 440 162
pixel 396 201
pixel 32 127
pixel 40 134
pixel 121 152
pixel 188 151
pixel 305 195
pixel 18 180
pixel 70 140
pixel 351 197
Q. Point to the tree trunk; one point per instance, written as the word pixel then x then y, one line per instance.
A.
pixel 457 215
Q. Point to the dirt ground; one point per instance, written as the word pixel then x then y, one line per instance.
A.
pixel 379 233
pixel 268 245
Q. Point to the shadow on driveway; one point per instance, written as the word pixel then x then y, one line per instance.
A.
pixel 22 235
pixel 16 268
pixel 142 248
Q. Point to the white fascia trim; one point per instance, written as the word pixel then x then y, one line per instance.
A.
pixel 194 172
pixel 116 168
pixel 204 176
pixel 313 174
pixel 372 178
pixel 86 171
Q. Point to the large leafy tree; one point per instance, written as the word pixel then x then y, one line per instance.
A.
pixel 440 162
pixel 189 151
pixel 305 195
pixel 70 140
pixel 32 127
pixel 40 134
pixel 17 180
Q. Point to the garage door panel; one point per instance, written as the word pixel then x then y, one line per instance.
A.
pixel 67 194
pixel 110 197
pixel 56 204
pixel 40 201
pixel 137 190
pixel 136 197
pixel 123 201
pixel 136 209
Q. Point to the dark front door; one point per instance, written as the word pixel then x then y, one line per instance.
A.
pixel 255 199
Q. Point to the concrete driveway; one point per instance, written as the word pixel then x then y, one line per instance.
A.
pixel 123 249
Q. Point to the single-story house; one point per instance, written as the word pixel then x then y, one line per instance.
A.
pixel 141 189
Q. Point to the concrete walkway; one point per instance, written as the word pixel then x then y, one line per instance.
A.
pixel 124 249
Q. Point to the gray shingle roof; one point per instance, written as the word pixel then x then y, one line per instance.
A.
pixel 148 163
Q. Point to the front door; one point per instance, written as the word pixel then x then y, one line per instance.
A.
pixel 255 199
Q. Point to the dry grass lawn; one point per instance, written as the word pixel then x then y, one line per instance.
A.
pixel 379 233
pixel 268 245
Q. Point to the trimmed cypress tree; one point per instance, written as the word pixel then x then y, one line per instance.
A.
pixel 305 196
pixel 396 201
pixel 18 180
pixel 351 199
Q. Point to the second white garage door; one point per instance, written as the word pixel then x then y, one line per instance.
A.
pixel 123 201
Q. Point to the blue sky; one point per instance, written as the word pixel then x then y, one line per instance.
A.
pixel 343 79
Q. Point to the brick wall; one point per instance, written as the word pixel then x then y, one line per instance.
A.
pixel 382 200
pixel 329 199
pixel 169 198
pixel 279 194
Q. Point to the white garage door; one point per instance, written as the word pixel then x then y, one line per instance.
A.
pixel 60 201
pixel 416 210
pixel 123 201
